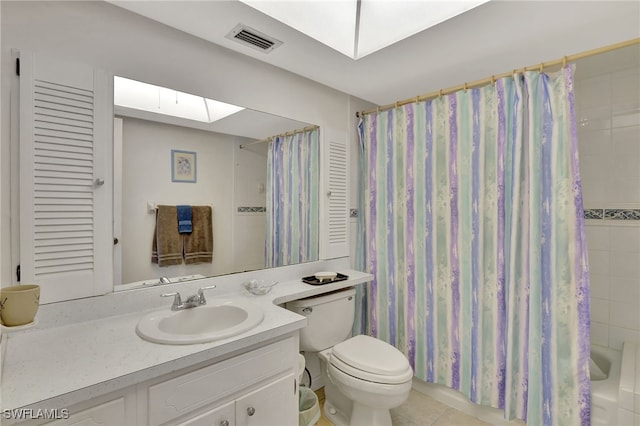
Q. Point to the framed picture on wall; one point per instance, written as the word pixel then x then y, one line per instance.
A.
pixel 183 166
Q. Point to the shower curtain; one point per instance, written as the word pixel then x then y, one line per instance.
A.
pixel 471 221
pixel 293 163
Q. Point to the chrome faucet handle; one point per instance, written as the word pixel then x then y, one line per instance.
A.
pixel 201 290
pixel 177 300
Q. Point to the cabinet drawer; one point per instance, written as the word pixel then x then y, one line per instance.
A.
pixel 181 395
pixel 112 412
pixel 219 416
pixel 117 408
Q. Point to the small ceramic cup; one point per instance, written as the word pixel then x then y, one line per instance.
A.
pixel 19 304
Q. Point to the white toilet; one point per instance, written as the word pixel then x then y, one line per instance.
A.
pixel 364 377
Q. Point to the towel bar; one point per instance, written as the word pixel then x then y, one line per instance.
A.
pixel 152 206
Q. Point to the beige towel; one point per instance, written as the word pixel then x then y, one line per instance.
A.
pixel 167 242
pixel 198 245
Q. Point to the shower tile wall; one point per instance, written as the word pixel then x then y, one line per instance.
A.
pixel 608 111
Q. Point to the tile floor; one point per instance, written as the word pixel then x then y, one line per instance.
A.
pixel 419 410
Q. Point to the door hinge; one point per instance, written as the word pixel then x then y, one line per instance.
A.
pixel 18 273
pixel 17 66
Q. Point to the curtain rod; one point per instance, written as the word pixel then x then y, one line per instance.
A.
pixel 562 61
pixel 270 138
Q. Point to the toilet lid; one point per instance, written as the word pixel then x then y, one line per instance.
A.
pixel 366 376
pixel 372 356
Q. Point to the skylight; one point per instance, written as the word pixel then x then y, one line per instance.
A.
pixel 357 28
pixel 160 100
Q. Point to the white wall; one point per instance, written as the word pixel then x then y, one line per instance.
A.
pixel 131 46
pixel 249 228
pixel 608 112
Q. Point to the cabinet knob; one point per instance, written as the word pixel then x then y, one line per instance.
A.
pixel 251 411
pixel 224 423
pixel 98 182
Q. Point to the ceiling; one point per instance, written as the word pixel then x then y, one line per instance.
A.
pixel 493 38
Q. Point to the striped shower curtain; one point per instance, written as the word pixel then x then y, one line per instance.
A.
pixel 293 163
pixel 472 224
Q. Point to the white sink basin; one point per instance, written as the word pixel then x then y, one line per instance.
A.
pixel 218 319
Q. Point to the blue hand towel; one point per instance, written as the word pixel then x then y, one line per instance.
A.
pixel 184 219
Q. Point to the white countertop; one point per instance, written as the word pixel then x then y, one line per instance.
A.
pixel 61 365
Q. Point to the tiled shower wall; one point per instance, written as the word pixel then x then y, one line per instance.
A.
pixel 608 112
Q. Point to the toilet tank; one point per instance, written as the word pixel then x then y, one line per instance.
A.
pixel 329 319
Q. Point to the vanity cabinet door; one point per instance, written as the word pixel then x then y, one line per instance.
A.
pixel 272 405
pixel 220 416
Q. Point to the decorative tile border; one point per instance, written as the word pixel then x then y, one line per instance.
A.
pixel 594 214
pixel 252 209
pixel 612 214
pixel 598 214
pixel 622 214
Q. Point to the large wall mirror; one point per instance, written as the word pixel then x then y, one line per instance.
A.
pixel 229 157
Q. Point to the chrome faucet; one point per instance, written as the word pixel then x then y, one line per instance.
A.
pixel 191 302
pixel 165 280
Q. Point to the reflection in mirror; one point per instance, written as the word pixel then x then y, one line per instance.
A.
pixel 228 160
pixel 293 167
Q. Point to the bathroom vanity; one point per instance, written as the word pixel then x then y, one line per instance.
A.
pixel 239 390
pixel 91 366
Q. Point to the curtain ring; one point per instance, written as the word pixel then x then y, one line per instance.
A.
pixel 440 94
pixel 564 61
pixel 417 99
pixel 397 104
pixel 493 80
pixel 541 67
pixel 515 74
pixel 465 87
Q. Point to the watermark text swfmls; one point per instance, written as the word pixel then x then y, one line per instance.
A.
pixel 35 413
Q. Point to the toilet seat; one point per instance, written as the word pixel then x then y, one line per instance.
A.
pixel 349 384
pixel 370 359
pixel 371 377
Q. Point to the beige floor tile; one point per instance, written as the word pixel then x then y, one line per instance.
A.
pixel 453 417
pixel 419 410
pixel 400 420
pixel 323 421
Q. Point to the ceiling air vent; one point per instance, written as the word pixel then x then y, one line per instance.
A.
pixel 252 38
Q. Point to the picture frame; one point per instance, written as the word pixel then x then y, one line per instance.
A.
pixel 183 166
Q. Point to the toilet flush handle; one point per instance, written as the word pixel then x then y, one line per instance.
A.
pixel 307 310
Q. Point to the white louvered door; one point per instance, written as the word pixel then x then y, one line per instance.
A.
pixel 334 195
pixel 65 178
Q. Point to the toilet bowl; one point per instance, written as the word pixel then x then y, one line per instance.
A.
pixel 372 374
pixel 364 377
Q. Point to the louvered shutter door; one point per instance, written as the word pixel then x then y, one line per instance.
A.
pixel 334 230
pixel 65 190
